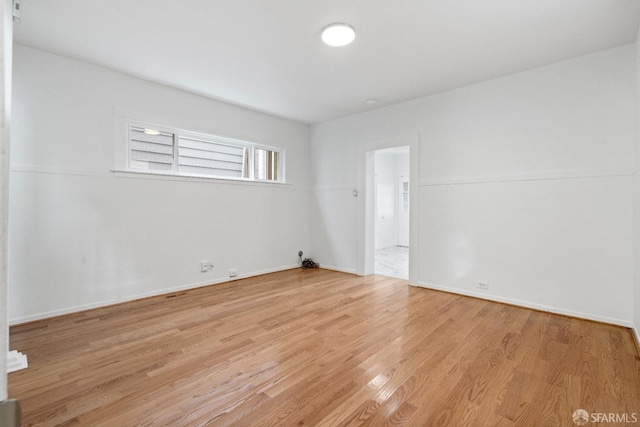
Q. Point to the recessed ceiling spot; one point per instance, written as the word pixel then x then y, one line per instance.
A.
pixel 371 101
pixel 338 34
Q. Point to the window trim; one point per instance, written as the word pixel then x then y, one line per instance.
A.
pixel 140 174
pixel 126 169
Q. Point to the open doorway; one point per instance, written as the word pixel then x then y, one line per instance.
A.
pixel 365 193
pixel 391 194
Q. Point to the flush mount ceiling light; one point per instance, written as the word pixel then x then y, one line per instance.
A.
pixel 338 34
pixel 371 101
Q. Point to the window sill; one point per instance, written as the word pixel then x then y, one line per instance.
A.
pixel 194 178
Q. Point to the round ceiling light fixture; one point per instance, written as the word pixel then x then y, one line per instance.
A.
pixel 338 34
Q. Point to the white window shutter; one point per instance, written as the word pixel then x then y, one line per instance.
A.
pixel 150 151
pixel 210 157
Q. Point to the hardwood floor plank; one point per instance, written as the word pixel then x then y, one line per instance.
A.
pixel 320 348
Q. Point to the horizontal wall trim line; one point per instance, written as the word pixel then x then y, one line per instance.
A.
pixel 53 170
pixel 537 176
pixel 337 188
pixel 84 307
pixel 526 304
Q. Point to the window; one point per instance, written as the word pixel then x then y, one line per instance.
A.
pixel 150 149
pixel 178 152
pixel 266 164
pixel 200 156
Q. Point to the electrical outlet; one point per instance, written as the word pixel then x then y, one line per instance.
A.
pixel 483 286
pixel 204 266
pixel 233 272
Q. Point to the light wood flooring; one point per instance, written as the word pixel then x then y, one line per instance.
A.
pixel 320 348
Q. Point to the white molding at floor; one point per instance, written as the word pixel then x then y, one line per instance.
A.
pixel 526 304
pixel 338 269
pixel 75 309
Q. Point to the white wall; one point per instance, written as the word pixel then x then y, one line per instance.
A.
pixel 386 199
pixel 390 164
pixel 525 182
pixel 82 236
pixel 402 162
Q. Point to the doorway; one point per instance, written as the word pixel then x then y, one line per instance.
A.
pixel 391 193
pixel 365 193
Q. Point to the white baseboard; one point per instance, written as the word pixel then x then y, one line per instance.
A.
pixel 526 304
pixel 339 269
pixel 75 309
pixel 636 332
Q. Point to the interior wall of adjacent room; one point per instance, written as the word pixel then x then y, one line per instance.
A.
pixel 525 182
pixel 390 165
pixel 82 236
pixel 386 230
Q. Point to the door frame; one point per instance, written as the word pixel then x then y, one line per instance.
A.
pixel 365 245
pixel 400 204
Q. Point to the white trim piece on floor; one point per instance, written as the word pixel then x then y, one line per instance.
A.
pixel 526 304
pixel 16 361
pixel 61 312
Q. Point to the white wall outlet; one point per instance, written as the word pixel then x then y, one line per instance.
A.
pixel 233 272
pixel 206 266
pixel 483 285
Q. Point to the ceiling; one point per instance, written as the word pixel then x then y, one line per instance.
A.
pixel 268 56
